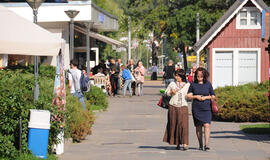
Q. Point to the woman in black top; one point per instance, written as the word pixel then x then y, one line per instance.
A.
pixel 169 73
pixel 201 91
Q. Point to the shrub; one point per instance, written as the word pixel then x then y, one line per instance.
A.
pixel 16 99
pixel 97 97
pixel 245 103
pixel 78 121
pixel 31 157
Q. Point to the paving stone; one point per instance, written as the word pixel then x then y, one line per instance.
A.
pixel 133 128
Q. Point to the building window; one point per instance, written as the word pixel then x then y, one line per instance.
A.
pixel 248 18
pixel 243 18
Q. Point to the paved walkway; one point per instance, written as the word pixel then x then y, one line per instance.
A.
pixel 133 128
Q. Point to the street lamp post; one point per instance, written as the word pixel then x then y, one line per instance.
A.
pixel 71 14
pixel 35 4
pixel 88 28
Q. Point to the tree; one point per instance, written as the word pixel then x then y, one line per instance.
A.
pixel 175 18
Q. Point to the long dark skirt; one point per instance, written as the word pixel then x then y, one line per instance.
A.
pixel 177 126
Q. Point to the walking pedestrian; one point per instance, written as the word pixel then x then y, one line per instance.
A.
pixel 177 126
pixel 126 75
pixel 201 92
pixel 131 66
pixel 168 73
pixel 154 72
pixel 74 76
pixel 139 75
pixel 114 76
pixel 119 82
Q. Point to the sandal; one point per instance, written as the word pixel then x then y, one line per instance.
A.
pixel 206 148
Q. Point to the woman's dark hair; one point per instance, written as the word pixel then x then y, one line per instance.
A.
pixel 182 74
pixel 204 72
pixel 100 70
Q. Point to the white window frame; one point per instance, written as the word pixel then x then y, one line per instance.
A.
pixel 249 26
pixel 235 63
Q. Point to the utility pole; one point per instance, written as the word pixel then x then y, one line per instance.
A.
pixel 198 37
pixel 88 48
pixel 165 48
pixel 129 38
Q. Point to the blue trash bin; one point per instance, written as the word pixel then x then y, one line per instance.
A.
pixel 38 135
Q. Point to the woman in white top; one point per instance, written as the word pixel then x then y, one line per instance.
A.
pixel 177 126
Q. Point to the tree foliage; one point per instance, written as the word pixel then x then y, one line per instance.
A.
pixel 175 18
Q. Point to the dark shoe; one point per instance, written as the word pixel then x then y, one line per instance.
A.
pixel 206 148
pixel 178 147
pixel 201 148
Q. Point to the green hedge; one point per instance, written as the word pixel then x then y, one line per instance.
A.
pixel 245 103
pixel 16 99
pixel 97 99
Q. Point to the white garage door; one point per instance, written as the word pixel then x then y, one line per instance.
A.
pixel 247 67
pixel 223 69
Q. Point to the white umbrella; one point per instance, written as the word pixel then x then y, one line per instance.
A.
pixel 21 37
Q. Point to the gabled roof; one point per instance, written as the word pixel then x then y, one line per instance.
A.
pixel 218 26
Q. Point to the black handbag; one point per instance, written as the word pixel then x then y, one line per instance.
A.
pixel 164 101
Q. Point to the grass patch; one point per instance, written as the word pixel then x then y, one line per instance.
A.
pixel 256 128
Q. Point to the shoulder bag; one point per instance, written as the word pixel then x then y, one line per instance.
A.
pixel 214 106
pixel 164 101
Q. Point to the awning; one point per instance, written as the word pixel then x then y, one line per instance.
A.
pixel 101 37
pixel 21 37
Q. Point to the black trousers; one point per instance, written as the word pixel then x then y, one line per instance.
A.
pixel 114 82
pixel 154 76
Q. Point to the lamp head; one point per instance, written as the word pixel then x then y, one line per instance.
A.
pixel 72 13
pixel 34 4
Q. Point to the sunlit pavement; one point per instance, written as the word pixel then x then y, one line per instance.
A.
pixel 133 128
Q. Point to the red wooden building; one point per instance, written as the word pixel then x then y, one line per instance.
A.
pixel 235 46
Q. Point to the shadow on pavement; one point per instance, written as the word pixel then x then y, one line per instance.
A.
pixel 165 147
pixel 147 86
pixel 240 135
pixel 152 94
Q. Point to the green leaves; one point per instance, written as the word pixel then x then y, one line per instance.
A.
pixel 16 99
pixel 245 103
pixel 178 17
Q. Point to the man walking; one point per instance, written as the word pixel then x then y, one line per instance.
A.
pixel 118 67
pixel 74 76
pixel 169 73
pixel 114 72
pixel 154 72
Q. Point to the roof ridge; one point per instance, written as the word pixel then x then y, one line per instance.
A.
pixel 219 23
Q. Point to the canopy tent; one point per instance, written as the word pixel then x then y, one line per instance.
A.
pixel 19 36
pixel 101 37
